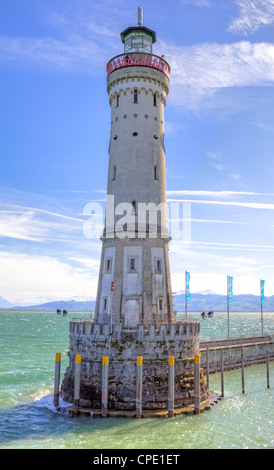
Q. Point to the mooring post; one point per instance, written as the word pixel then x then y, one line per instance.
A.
pixel 207 367
pixel 170 386
pixel 243 368
pixel 139 386
pixel 267 369
pixel 77 373
pixel 104 386
pixel 197 384
pixel 222 374
pixel 57 379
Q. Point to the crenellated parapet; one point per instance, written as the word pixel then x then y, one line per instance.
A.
pixel 102 331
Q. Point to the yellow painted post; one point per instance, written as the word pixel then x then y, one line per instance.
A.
pixel 171 386
pixel 197 384
pixel 57 379
pixel 77 383
pixel 104 386
pixel 139 386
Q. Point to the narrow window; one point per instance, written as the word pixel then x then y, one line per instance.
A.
pixel 160 304
pixel 114 172
pixel 155 172
pixel 135 100
pixel 105 303
pixel 117 101
pixel 132 264
pixel 158 266
pixel 108 265
pixel 133 207
pixel 155 99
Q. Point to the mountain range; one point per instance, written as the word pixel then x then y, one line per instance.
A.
pixel 199 302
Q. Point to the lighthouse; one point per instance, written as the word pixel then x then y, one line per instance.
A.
pixel 134 281
pixel 134 337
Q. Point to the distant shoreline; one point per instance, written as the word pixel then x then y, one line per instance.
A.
pixel 92 311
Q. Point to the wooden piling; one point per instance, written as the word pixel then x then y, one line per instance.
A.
pixel 77 373
pixel 222 374
pixel 139 386
pixel 243 368
pixel 104 386
pixel 207 367
pixel 197 384
pixel 171 386
pixel 267 369
pixel 57 379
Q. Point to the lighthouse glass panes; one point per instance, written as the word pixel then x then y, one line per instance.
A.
pixel 138 41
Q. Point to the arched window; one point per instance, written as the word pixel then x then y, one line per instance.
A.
pixel 135 96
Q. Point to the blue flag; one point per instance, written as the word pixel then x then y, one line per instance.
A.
pixel 262 290
pixel 230 288
pixel 188 296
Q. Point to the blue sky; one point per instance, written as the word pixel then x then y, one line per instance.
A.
pixel 55 124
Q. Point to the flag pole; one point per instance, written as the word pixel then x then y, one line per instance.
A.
pixel 227 306
pixel 185 297
pixel 262 322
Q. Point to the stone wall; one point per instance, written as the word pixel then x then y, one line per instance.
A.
pixel 93 341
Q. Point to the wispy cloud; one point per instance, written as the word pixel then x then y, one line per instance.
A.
pixel 220 194
pixel 253 15
pixel 34 224
pixel 201 72
pixel 248 205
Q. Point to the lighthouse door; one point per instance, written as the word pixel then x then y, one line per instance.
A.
pixel 131 313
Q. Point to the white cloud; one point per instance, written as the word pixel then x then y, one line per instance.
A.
pixel 200 72
pixel 197 3
pixel 34 277
pixel 254 14
pixel 39 225
pixel 250 205
pixel 220 194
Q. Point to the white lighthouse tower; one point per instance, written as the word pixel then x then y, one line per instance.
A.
pixel 135 239
pixel 134 316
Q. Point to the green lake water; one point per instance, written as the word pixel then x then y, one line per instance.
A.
pixel 28 343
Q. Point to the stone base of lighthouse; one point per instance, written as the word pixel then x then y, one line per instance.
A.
pixel 93 340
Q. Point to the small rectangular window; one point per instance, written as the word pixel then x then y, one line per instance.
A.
pixel 160 304
pixel 117 101
pixel 135 100
pixel 155 99
pixel 155 172
pixel 105 304
pixel 132 264
pixel 113 173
